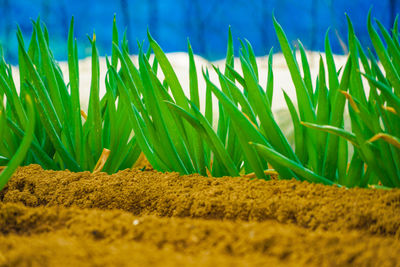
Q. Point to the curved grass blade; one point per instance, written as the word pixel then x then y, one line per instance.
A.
pixel 236 75
pixel 73 70
pixel 299 143
pixel 392 99
pixel 306 72
pixel 93 124
pixel 20 154
pixel 294 166
pixel 333 78
pixel 323 112
pixel 392 50
pixel 334 130
pixel 307 112
pixel 198 147
pixel 381 51
pixel 238 96
pixel 252 58
pixel 356 86
pixel 14 101
pixel 336 120
pixel 393 140
pixel 169 74
pixel 114 56
pixel 230 57
pixel 270 79
pixel 47 67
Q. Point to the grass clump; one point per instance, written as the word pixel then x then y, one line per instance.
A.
pixel 374 120
pixel 64 137
pixel 141 112
pixel 248 131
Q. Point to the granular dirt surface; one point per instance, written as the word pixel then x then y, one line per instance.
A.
pixel 142 218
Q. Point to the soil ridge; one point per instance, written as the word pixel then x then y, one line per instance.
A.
pixel 312 206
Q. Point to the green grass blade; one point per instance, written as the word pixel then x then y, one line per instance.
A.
pixel 392 99
pixel 154 109
pixel 23 72
pixel 298 131
pixel 47 67
pixel 381 51
pixel 334 130
pixel 53 136
pixel 270 78
pixel 201 124
pixel 392 50
pixel 132 77
pixel 73 70
pixel 198 147
pixel 141 132
pixel 252 58
pixel 333 78
pixel 294 166
pixel 42 92
pixel 258 101
pixel 193 81
pixel 20 154
pixel 355 171
pixel 356 87
pixel 306 71
pixel 14 101
pixel 169 74
pixel 94 122
pixel 238 96
pixel 209 103
pixel 230 57
pixel 251 134
pixel 114 56
pixel 342 158
pixel 45 160
pixel 323 112
pixel 236 75
pixel 390 139
pixel 303 98
pixel 336 120
pixel 130 157
pixel 183 139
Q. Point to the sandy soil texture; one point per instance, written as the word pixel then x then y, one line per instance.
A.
pixel 142 218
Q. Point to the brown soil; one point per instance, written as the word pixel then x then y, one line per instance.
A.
pixel 142 218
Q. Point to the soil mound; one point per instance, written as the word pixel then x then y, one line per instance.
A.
pixel 141 218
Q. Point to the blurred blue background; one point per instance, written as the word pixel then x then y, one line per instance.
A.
pixel 204 22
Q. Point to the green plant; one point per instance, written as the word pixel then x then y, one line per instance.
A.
pixel 374 118
pixel 102 140
pixel 169 142
pixel 318 156
pixel 140 112
pixel 21 151
pixel 170 128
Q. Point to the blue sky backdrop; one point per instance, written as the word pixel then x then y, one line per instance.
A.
pixel 204 22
